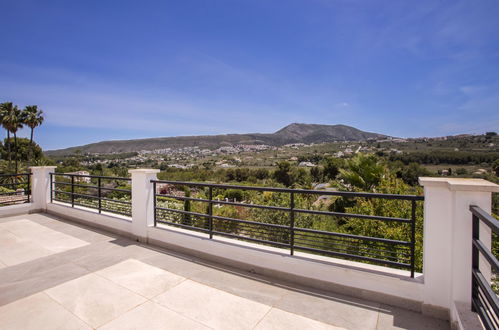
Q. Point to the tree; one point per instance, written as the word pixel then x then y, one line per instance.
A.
pixel 283 174
pixel 363 172
pixel 5 109
pixel 12 120
pixel 331 169
pixel 25 149
pixel 32 118
pixel 495 167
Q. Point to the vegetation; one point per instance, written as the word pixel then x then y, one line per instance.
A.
pixel 12 120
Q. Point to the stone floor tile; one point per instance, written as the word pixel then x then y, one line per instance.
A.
pixel 337 310
pixel 38 312
pixel 278 319
pixel 43 236
pixel 140 277
pixel 397 318
pixel 212 307
pixel 32 277
pixel 152 316
pixel 243 284
pixel 15 250
pixel 95 299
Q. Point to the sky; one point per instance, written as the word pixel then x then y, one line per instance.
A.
pixel 107 70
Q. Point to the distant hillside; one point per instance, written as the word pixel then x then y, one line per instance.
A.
pixel 293 133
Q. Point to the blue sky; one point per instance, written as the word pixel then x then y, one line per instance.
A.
pixel 131 69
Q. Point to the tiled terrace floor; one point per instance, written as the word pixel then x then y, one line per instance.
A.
pixel 59 275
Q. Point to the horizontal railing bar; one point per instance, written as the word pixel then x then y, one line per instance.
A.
pixel 354 240
pixel 92 176
pixel 365 238
pixel 115 211
pixel 182 225
pixel 76 185
pixel 94 197
pixel 268 207
pixel 396 253
pixel 16 174
pixel 13 184
pixel 115 200
pixel 488 309
pixel 19 201
pixel 487 290
pixel 344 250
pixel 221 218
pixel 485 217
pixel 352 215
pixel 487 254
pixel 346 255
pixel 483 314
pixel 13 193
pixel 93 187
pixel 299 191
pixel 221 233
pixel 117 189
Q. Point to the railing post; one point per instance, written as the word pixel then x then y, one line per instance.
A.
pixel 475 260
pixel 413 236
pixel 41 186
pixel 447 245
pixel 28 188
pixel 142 201
pixel 154 203
pixel 291 223
pixel 72 191
pixel 210 211
pixel 99 193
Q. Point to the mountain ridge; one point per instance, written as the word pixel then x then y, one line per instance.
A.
pixel 292 133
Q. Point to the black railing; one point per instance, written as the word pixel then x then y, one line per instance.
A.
pixel 15 189
pixel 92 191
pixel 483 298
pixel 286 226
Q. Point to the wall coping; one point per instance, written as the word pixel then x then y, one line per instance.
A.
pixel 460 184
pixel 144 171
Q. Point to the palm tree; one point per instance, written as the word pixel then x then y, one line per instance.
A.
pixel 33 118
pixel 5 109
pixel 13 121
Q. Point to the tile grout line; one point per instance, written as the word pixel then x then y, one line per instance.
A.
pixel 267 313
pixel 70 312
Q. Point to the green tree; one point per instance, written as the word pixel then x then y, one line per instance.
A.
pixel 5 109
pixel 283 174
pixel 495 167
pixel 331 169
pixel 12 121
pixel 33 117
pixel 363 171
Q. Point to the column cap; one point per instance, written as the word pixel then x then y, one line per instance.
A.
pixel 460 184
pixel 144 171
pixel 43 167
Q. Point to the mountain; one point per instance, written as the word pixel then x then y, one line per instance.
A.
pixel 293 133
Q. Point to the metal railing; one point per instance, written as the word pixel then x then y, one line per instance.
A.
pixel 286 226
pixel 16 189
pixel 92 191
pixel 484 300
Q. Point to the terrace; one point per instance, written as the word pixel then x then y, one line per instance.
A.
pixel 97 260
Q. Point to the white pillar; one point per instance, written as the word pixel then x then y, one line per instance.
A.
pixel 448 238
pixel 142 201
pixel 40 186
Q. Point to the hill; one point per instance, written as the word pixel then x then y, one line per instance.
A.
pixel 293 133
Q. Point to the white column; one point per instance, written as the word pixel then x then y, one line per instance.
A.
pixel 40 186
pixel 142 201
pixel 448 238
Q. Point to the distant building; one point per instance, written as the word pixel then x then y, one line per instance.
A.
pixel 306 164
pixel 84 179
